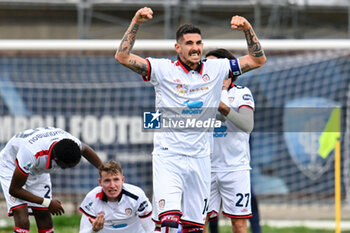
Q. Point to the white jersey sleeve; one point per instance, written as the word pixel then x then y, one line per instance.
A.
pixel 155 74
pixel 87 205
pixel 241 97
pixel 85 224
pixel 25 160
pixel 144 212
pixel 231 144
pixel 144 208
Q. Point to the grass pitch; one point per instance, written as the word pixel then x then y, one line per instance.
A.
pixel 70 224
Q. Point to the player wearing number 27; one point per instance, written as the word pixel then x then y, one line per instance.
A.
pixel 25 164
pixel 181 160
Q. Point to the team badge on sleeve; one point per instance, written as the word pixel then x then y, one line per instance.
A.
pixel 161 203
pixel 128 211
pixel 90 206
pixel 13 199
pixel 28 166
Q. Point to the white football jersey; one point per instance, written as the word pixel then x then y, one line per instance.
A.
pixel 231 144
pixel 30 151
pixel 121 216
pixel 188 101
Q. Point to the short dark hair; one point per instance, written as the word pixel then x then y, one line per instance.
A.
pixel 186 29
pixel 221 53
pixel 67 151
pixel 111 167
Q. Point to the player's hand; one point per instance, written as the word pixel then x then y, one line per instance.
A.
pixel 98 223
pixel 143 15
pixel 239 23
pixel 56 208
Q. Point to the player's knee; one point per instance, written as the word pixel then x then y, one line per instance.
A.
pixel 21 218
pixel 239 225
pixel 43 219
pixel 170 222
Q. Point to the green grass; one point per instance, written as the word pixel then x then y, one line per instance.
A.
pixel 62 224
pixel 70 224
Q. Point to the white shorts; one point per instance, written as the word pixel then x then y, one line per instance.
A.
pixel 232 189
pixel 39 185
pixel 181 184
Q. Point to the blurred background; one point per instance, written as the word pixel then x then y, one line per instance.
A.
pixel 103 19
pixel 298 92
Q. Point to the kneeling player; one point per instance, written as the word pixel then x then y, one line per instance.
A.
pixel 25 164
pixel 115 206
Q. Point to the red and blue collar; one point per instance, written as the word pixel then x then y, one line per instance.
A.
pixel 187 69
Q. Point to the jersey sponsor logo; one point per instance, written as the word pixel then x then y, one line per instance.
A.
pixel 247 97
pixel 244 210
pixel 142 206
pixel 128 211
pixel 193 107
pixel 161 203
pixel 116 226
pixel 152 120
pixel 220 132
pixel 199 89
pixel 206 78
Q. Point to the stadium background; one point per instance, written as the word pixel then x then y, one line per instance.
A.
pixel 89 94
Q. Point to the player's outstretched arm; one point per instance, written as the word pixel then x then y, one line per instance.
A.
pixel 256 56
pixel 123 54
pixel 91 155
pixel 17 190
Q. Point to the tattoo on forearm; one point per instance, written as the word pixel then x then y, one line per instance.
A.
pixel 138 67
pixel 245 68
pixel 128 40
pixel 254 46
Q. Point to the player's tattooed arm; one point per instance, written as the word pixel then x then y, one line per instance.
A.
pixel 254 46
pixel 256 56
pixel 128 40
pixel 254 49
pixel 138 67
pixel 123 54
